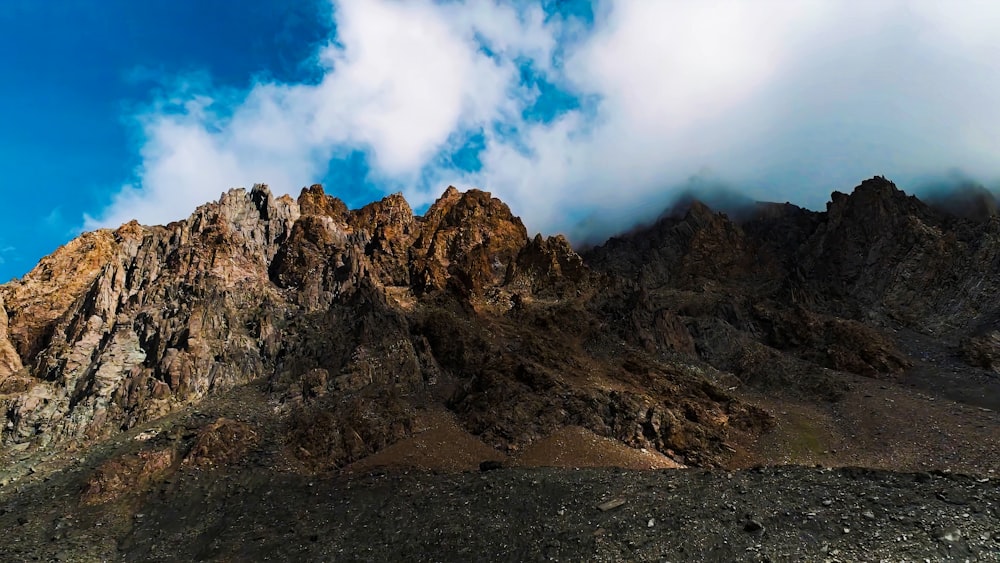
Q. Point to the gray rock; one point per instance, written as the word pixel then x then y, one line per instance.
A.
pixel 948 534
pixel 611 504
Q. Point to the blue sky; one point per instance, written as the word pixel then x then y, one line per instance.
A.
pixel 76 69
pixel 583 116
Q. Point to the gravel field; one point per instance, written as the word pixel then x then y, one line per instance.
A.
pixel 766 514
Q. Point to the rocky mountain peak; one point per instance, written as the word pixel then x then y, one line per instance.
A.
pixel 876 202
pixel 341 313
pixel 546 265
pixel 471 237
pixel 392 212
pixel 247 227
pixel 268 338
pixel 877 224
pixel 314 201
pixel 441 205
pixel 43 294
pixel 699 213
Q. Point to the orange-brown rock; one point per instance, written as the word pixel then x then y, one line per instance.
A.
pixel 35 302
pixel 112 318
pixel 10 360
pixel 353 320
pixel 222 442
pixel 546 265
pixel 314 201
pixel 128 475
pixel 471 238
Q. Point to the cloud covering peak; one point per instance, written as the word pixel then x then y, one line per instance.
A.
pixel 564 116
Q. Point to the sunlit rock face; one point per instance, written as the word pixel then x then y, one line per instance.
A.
pixel 354 319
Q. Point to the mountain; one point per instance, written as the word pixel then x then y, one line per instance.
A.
pixel 876 285
pixel 342 313
pixel 304 337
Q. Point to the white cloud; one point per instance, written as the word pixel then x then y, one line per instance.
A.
pixel 786 99
pixel 5 250
pixel 400 80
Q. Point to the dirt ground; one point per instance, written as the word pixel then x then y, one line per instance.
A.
pixel 883 425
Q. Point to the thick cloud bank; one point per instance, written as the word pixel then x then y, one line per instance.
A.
pixel 568 118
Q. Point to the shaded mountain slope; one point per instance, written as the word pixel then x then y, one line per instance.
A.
pixel 356 320
pixel 831 288
pixel 227 380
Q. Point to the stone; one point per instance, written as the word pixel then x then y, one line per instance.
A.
pixel 222 442
pixel 949 535
pixel 10 360
pixel 611 504
pixel 127 475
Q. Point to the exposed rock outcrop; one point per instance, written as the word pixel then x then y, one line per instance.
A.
pixel 121 327
pixel 354 319
pixel 10 361
pixel 983 350
pixel 826 287
pixel 222 442
pixel 38 300
pixel 127 475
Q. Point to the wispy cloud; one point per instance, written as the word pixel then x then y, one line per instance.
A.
pixel 4 250
pixel 787 100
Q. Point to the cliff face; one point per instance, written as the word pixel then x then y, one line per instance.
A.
pixel 783 290
pixel 343 314
pixel 884 256
pixel 355 320
pixel 10 361
pixel 119 327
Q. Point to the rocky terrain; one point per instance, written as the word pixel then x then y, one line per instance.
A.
pixel 170 392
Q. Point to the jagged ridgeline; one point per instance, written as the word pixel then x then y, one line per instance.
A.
pixel 344 314
pixel 354 320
